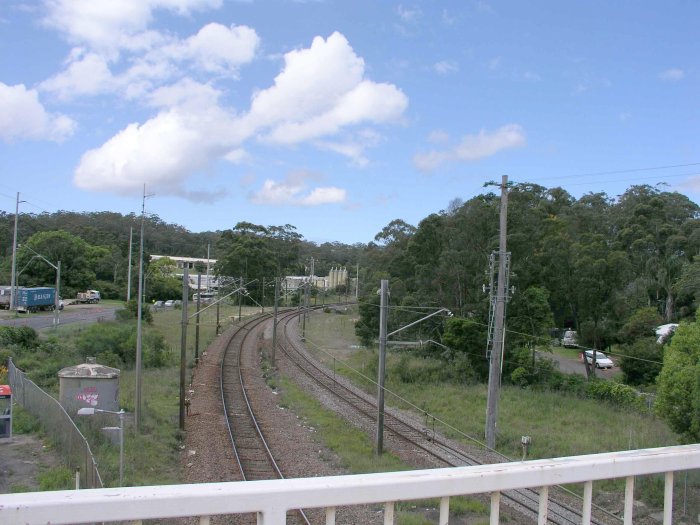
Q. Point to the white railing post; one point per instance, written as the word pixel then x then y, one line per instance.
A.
pixel 389 513
pixel 587 502
pixel 444 510
pixel 330 515
pixel 543 508
pixel 629 500
pixel 668 499
pixel 495 508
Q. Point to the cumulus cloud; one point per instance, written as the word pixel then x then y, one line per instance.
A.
pixel 22 116
pixel 321 96
pixel 320 90
pixel 111 26
pixel 220 49
pixel 473 147
pixel 86 75
pixel 295 191
pixel 163 152
pixel 673 74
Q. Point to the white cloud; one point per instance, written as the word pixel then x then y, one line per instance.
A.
pixel 22 116
pixel 474 147
pixel 319 91
pixel 161 153
pixel 110 26
pixel 446 66
pixel 86 75
pixel 295 191
pixel 220 49
pixel 673 74
pixel 320 96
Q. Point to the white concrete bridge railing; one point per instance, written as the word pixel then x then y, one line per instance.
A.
pixel 272 499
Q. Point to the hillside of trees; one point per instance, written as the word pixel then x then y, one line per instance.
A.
pixel 611 268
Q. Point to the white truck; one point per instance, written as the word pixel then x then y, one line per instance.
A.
pixel 88 296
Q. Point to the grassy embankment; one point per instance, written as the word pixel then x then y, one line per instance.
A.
pixel 151 455
pixel 558 424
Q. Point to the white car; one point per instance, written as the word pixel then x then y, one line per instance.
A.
pixel 601 360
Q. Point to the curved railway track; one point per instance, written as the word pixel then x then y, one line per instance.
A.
pixel 422 440
pixel 253 455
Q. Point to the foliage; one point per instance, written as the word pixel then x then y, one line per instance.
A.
pixel 23 336
pixel 367 329
pixel 59 478
pixel 131 311
pixel 679 383
pixel 114 344
pixel 642 361
pixel 468 339
pixel 640 324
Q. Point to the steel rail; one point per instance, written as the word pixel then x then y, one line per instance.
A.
pixel 558 512
pixel 240 419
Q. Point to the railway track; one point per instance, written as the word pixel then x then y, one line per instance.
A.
pixel 408 433
pixel 253 455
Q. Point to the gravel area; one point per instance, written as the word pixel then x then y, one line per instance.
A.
pixel 207 455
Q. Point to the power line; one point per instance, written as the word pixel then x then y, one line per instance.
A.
pixel 616 172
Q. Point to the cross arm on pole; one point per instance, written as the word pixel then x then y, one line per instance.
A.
pixel 420 321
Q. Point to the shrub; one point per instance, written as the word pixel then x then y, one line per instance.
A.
pixel 109 338
pixel 23 336
pixel 642 361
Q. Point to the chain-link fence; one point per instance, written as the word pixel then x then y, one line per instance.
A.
pixel 57 424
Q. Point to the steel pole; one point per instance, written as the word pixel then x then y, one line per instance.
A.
pixel 139 312
pixel 56 310
pixel 383 307
pixel 274 322
pixel 183 344
pixel 196 329
pixel 13 279
pixel 128 278
pixel 121 447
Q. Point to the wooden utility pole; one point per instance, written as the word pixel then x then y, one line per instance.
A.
pixel 498 340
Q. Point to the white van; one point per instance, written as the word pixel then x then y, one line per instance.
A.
pixel 569 339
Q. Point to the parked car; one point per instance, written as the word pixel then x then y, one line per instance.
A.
pixel 569 340
pixel 601 360
pixel 158 304
pixel 169 303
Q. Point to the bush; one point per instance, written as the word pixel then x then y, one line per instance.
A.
pixel 642 361
pixel 23 336
pixel 109 338
pixel 131 311
pixel 616 393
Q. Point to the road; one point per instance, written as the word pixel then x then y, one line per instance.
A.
pixel 70 314
pixel 568 365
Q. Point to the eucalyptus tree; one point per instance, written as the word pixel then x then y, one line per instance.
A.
pixel 78 260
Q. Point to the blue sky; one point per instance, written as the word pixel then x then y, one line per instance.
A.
pixel 338 117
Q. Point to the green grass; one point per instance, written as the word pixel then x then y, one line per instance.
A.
pixel 558 424
pixel 354 448
pixel 356 452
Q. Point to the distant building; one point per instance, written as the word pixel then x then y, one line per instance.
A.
pixel 207 280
